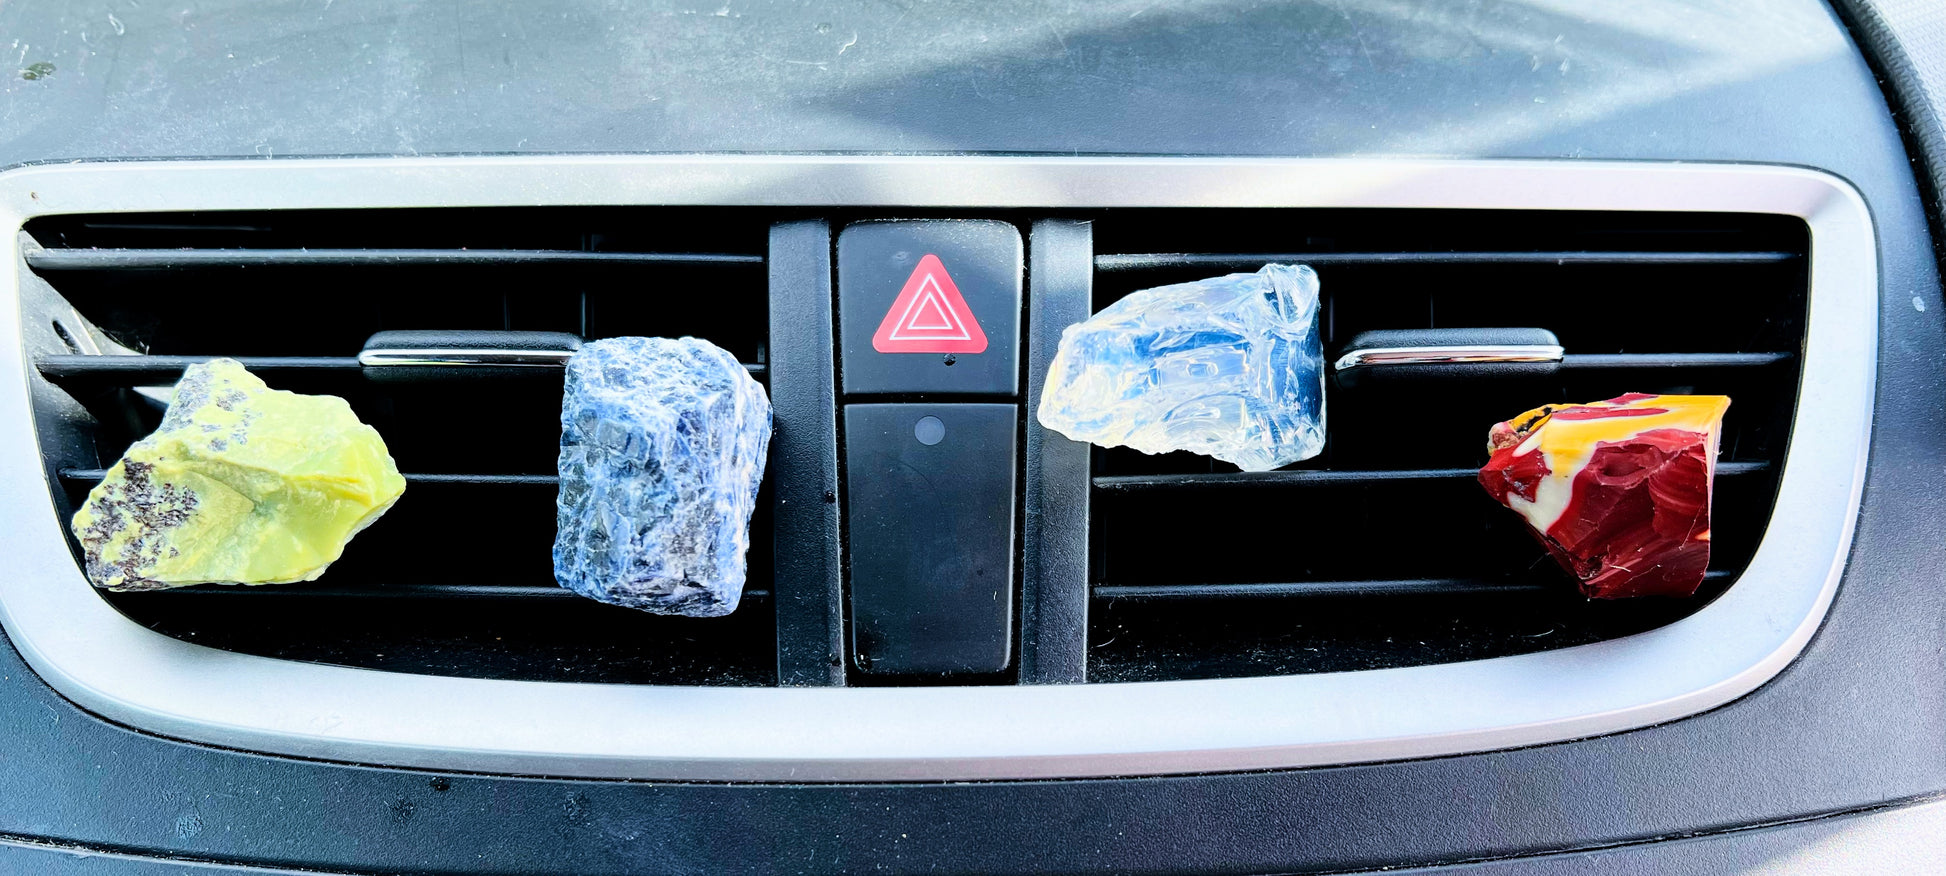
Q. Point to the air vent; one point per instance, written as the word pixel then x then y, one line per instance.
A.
pixel 1384 551
pixel 1381 553
pixel 1242 606
pixel 456 580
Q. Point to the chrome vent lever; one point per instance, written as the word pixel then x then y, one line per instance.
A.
pixel 1448 354
pixel 462 354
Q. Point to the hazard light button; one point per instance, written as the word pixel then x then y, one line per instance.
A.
pixel 930 306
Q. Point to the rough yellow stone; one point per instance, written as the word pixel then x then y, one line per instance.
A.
pixel 242 484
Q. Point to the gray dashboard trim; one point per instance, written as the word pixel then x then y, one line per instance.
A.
pixel 110 665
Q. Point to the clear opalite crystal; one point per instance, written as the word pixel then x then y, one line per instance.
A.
pixel 662 449
pixel 1229 367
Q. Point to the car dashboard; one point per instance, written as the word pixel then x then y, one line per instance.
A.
pixel 1356 663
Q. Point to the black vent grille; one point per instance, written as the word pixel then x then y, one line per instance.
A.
pixel 1384 551
pixel 455 580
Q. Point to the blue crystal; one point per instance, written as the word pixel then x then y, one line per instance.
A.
pixel 662 450
pixel 1229 367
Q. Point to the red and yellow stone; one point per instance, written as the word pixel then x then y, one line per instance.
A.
pixel 1618 491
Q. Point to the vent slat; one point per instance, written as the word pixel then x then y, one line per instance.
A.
pixel 1402 587
pixel 59 259
pixel 395 591
pixel 1309 478
pixel 1107 484
pixel 1410 587
pixel 155 370
pixel 94 475
pixel 1598 361
pixel 139 370
pixel 1148 261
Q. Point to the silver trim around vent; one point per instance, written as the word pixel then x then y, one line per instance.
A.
pixel 114 667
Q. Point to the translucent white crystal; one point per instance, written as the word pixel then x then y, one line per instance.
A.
pixel 662 450
pixel 1229 367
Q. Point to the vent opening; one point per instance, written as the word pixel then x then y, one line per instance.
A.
pixel 1384 551
pixel 456 579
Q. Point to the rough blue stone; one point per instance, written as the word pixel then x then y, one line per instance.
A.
pixel 662 449
pixel 1229 367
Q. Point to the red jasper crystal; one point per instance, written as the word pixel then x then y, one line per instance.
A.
pixel 1618 491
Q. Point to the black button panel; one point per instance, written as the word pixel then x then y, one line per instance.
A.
pixel 930 306
pixel 930 509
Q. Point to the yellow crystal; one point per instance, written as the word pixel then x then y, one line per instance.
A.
pixel 242 484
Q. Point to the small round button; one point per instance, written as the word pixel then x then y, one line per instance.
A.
pixel 929 431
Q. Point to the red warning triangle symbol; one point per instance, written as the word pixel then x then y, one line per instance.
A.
pixel 929 316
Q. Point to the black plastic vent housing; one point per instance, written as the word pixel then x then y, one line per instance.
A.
pixel 456 579
pixel 1381 552
pixel 1384 551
